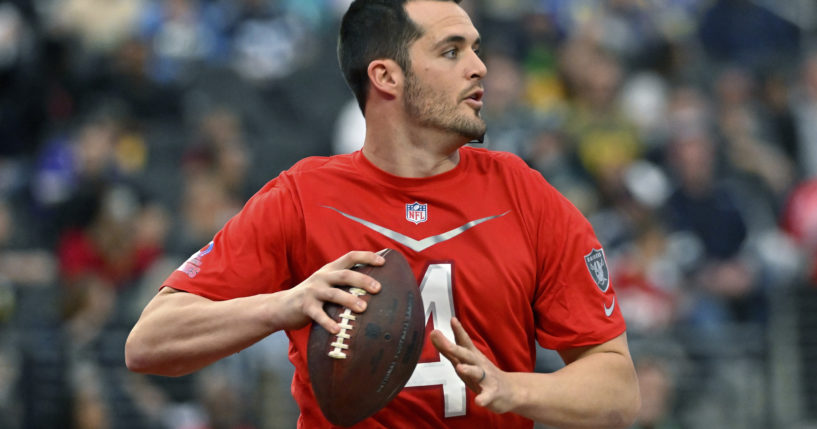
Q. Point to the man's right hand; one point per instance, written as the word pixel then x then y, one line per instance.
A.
pixel 304 302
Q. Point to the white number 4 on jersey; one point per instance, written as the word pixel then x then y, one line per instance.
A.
pixel 436 290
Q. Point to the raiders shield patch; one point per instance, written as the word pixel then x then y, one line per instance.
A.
pixel 597 266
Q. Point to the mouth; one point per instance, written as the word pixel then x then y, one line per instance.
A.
pixel 475 98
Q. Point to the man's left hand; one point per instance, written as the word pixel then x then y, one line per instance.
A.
pixel 477 371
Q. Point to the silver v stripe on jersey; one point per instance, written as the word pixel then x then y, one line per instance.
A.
pixel 418 245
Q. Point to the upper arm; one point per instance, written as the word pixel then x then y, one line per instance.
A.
pixel 617 345
pixel 250 254
pixel 574 301
pixel 168 297
pixel 167 290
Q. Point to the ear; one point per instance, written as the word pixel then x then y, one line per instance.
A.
pixel 386 77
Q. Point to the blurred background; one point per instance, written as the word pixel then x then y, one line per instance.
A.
pixel 131 130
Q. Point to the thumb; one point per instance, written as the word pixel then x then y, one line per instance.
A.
pixel 484 398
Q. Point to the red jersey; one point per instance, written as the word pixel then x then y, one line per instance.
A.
pixel 490 242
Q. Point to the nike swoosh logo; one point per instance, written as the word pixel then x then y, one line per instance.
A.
pixel 608 311
pixel 418 245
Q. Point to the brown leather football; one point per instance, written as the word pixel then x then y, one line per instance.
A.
pixel 358 371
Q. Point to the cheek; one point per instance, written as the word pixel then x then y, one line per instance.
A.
pixel 435 81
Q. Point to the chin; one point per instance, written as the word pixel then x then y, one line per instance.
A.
pixel 470 127
pixel 477 131
pixel 473 134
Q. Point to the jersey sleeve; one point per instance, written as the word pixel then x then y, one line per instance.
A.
pixel 575 302
pixel 249 255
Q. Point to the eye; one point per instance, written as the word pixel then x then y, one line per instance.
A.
pixel 451 53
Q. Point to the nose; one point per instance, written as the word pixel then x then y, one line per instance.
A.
pixel 477 70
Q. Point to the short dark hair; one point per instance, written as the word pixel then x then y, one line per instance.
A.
pixel 370 30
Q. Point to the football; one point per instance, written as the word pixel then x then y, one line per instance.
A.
pixel 358 371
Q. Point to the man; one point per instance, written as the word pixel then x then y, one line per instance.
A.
pixel 491 242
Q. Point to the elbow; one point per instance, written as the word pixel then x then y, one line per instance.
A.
pixel 136 360
pixel 625 414
pixel 627 404
pixel 632 407
pixel 141 358
pixel 635 409
pixel 620 412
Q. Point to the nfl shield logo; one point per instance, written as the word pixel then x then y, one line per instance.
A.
pixel 416 212
pixel 597 265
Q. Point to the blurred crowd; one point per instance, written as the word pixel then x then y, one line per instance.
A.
pixel 132 130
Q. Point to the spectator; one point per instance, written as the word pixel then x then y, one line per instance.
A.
pixel 805 111
pixel 20 92
pixel 221 139
pixel 759 161
pixel 99 25
pixel 548 152
pixel 603 139
pixel 800 221
pixel 121 242
pixel 350 129
pixel 725 287
pixel 648 278
pixel 743 32
pixel 657 384
pixel 180 39
pixel 509 118
pixel 22 263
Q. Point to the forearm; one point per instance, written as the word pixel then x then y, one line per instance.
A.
pixel 179 333
pixel 598 391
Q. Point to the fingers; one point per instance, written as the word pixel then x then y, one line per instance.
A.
pixel 460 335
pixel 475 369
pixel 444 346
pixel 339 273
pixel 322 287
pixel 457 354
pixel 355 257
pixel 314 302
pixel 320 317
pixel 463 351
pixel 468 364
pixel 473 375
pixel 484 399
pixel 342 298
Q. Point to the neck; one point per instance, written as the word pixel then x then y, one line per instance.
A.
pixel 405 150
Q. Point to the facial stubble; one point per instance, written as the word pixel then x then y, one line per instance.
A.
pixel 432 110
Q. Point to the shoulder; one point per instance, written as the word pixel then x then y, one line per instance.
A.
pixel 320 164
pixel 527 185
pixel 505 165
pixel 309 168
pixel 289 184
pixel 482 156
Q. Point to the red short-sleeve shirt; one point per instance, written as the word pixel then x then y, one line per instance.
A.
pixel 490 242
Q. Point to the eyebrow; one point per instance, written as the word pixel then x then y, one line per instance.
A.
pixel 455 39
